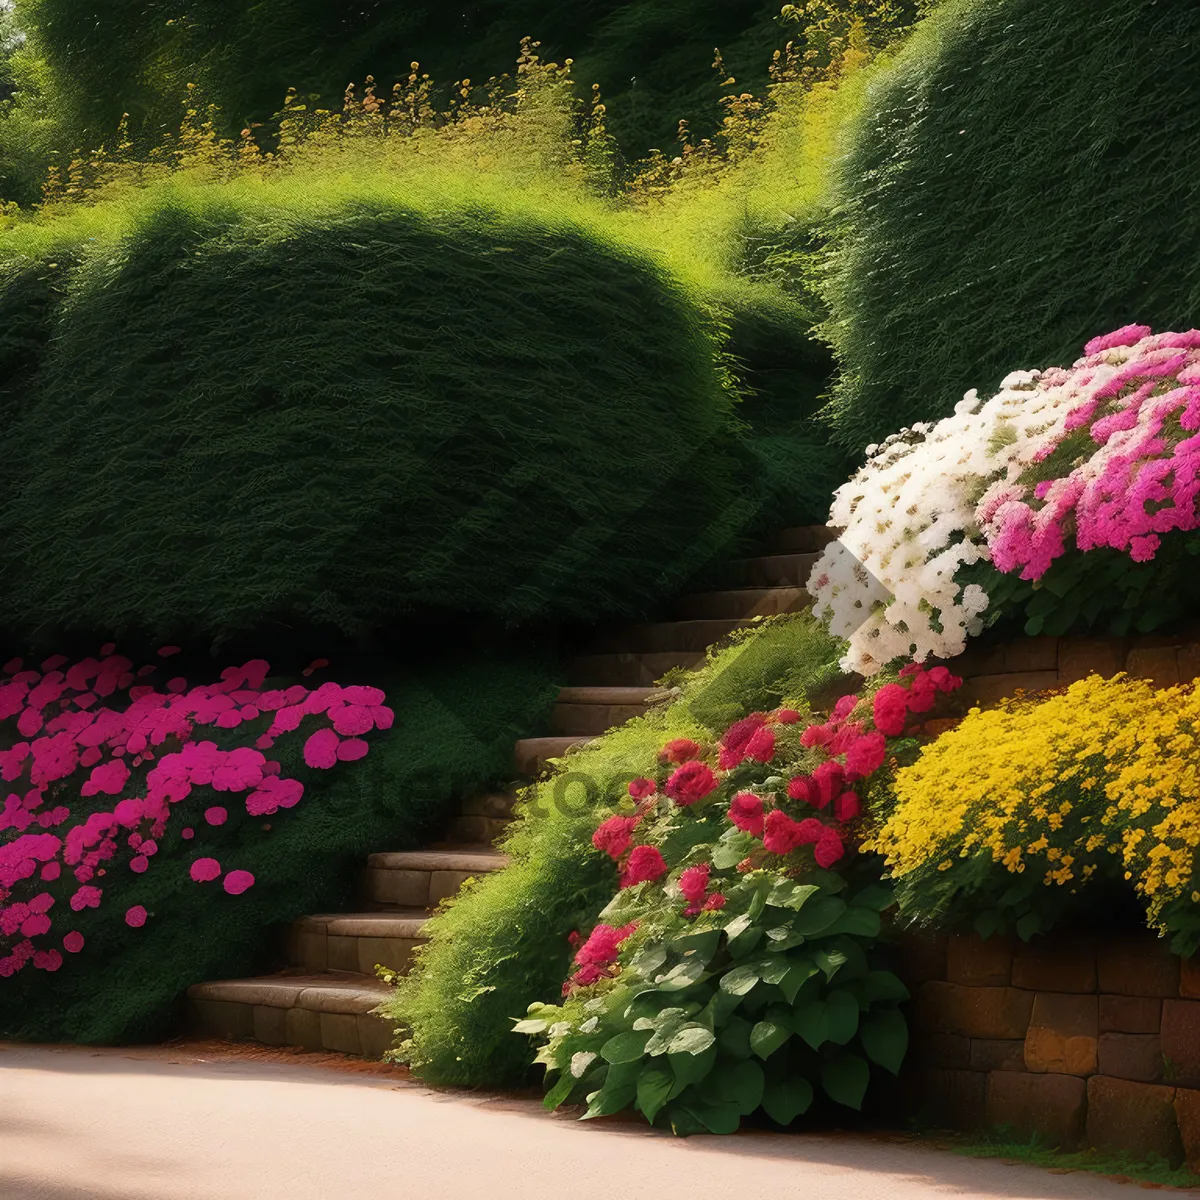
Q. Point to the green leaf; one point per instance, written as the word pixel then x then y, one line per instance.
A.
pixel 883 985
pixel 860 922
pixel 843 1015
pixel 698 945
pixel 811 1022
pixel 531 1026
pixel 1033 626
pixel 877 897
pixel 716 1118
pixel 648 960
pixel 772 970
pixel 768 1035
pixel 690 1068
pixel 746 942
pixel 683 1122
pixel 845 1079
pixel 559 1093
pixel 734 1039
pixel 740 980
pixel 654 1085
pixel 740 1084
pixel 785 1099
pixel 665 1026
pixel 818 915
pixel 680 976
pixel 580 1062
pixel 829 961
pixel 799 973
pixel 885 1038
pixel 1028 925
pixel 738 926
pixel 786 894
pixel 783 938
pixel 691 1039
pixel 610 1099
pixel 758 901
pixel 625 1047
pixel 733 846
pixel 988 923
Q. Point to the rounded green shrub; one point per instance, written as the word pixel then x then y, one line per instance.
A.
pixel 1021 178
pixel 261 411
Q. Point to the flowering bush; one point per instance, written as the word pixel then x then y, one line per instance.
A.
pixel 103 767
pixel 733 969
pixel 1004 819
pixel 947 520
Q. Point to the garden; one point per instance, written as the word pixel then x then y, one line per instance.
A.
pixel 338 419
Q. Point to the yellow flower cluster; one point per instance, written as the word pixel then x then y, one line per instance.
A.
pixel 1106 767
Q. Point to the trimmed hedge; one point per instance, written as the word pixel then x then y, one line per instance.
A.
pixel 1021 179
pixel 249 409
pixel 502 942
pixel 455 723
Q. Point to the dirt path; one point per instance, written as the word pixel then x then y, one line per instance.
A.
pixel 200 1122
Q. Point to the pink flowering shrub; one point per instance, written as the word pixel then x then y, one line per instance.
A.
pixel 103 765
pixel 733 968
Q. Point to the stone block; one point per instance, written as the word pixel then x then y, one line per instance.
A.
pixel 952 1099
pixel 1187 1114
pixel 1031 654
pixel 339 1033
pixel 342 954
pixel 1080 657
pixel 978 660
pixel 1052 1107
pixel 1137 966
pixel 1062 1035
pixel 1130 1014
pixel 393 953
pixel 997 1054
pixel 405 889
pixel 223 1018
pixel 270 1025
pixel 1189 978
pixel 374 1036
pixel 1187 659
pixel 986 690
pixel 976 1012
pixel 303 1028
pixel 1135 1056
pixel 306 947
pixel 940 725
pixel 1157 664
pixel 944 1050
pixel 445 883
pixel 1056 966
pixel 922 957
pixel 979 962
pixel 1133 1118
pixel 1181 1042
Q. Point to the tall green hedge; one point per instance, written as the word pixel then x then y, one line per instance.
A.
pixel 502 942
pixel 1021 181
pixel 456 719
pixel 246 409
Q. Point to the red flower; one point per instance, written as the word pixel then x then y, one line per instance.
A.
pixel 681 750
pixel 829 778
pixel 614 835
pixel 786 716
pixel 691 782
pixel 639 789
pixel 847 806
pixel 816 735
pixel 801 787
pixel 810 831
pixel 843 708
pixel 693 883
pixel 829 849
pixel 645 865
pixel 714 902
pixel 602 945
pixel 844 738
pixel 890 709
pixel 746 813
pixel 781 833
pixel 734 743
pixel 943 680
pixel 922 695
pixel 761 746
pixel 866 756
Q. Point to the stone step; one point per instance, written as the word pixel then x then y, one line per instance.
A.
pixel 595 710
pixel 356 942
pixel 423 878
pixel 531 755
pixel 741 603
pixel 629 670
pixel 804 539
pixel 667 636
pixel 318 1011
pixel 773 570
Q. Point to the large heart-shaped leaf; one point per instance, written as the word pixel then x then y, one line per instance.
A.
pixel 800 971
pixel 885 1038
pixel 626 1047
pixel 560 1091
pixel 785 1099
pixel 768 1035
pixel 654 1085
pixel 738 1083
pixel 690 1068
pixel 818 915
pixel 811 1022
pixel 883 985
pixel 691 1039
pixel 845 1079
pixel 734 1039
pixel 740 979
pixel 843 1015
pixel 860 922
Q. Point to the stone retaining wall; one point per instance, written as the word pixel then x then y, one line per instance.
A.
pixel 1086 1042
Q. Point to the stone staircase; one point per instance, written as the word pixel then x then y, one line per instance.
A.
pixel 324 998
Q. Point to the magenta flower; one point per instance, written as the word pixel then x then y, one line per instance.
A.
pixel 135 917
pixel 236 882
pixel 205 870
pixel 321 749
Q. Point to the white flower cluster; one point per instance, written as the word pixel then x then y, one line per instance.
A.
pixel 910 518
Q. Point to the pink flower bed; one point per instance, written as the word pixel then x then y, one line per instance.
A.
pixel 100 731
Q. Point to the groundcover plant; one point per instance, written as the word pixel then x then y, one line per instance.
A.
pixel 735 969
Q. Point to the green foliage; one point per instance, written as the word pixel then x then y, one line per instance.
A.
pixel 1007 190
pixel 506 935
pixel 328 408
pixel 454 728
